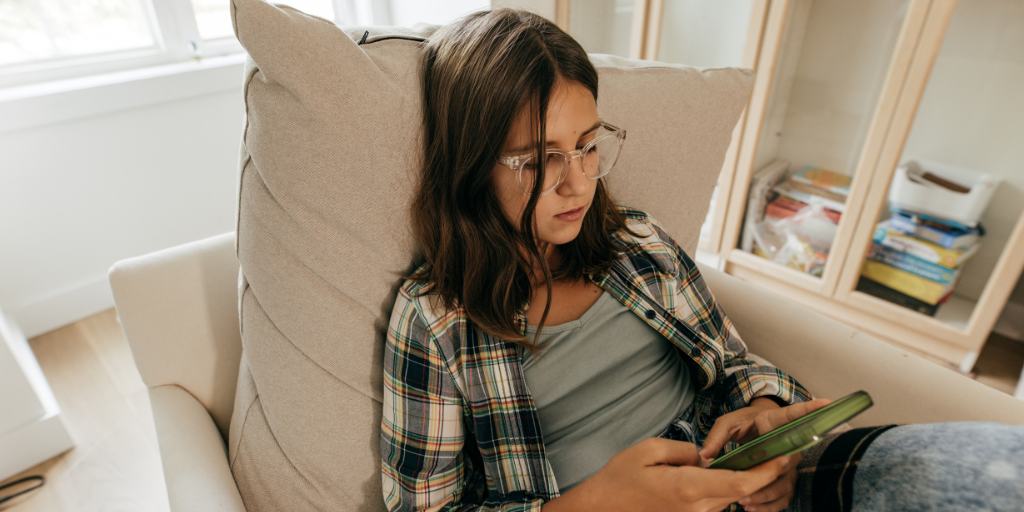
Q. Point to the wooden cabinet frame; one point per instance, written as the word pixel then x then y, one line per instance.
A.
pixel 943 338
pixel 960 323
pixel 771 56
pixel 955 336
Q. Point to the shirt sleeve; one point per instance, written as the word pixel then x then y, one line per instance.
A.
pixel 422 438
pixel 745 379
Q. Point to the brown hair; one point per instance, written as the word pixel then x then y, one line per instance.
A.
pixel 478 72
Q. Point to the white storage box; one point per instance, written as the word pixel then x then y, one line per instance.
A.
pixel 911 191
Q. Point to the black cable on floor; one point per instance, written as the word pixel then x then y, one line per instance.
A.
pixel 39 479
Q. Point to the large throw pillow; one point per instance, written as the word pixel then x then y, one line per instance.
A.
pixel 328 155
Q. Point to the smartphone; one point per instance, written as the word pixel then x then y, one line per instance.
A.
pixel 797 435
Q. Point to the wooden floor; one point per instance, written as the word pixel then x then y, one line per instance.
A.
pixel 115 465
pixel 999 364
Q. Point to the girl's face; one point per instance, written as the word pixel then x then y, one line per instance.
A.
pixel 572 112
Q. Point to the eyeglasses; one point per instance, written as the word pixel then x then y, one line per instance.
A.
pixel 597 156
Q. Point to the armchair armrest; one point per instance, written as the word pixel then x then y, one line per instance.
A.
pixel 179 310
pixel 195 463
pixel 832 359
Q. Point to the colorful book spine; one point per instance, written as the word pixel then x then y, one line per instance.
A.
pixel 900 299
pixel 793 204
pixel 934 218
pixel 913 264
pixel 810 194
pixel 946 236
pixel 788 202
pixel 923 249
pixel 832 181
pixel 922 289
pixel 775 211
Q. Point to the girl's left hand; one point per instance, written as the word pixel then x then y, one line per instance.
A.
pixel 745 424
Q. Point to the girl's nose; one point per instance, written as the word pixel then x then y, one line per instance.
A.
pixel 575 176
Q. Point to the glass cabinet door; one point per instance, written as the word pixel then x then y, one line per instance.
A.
pixel 937 238
pixel 710 35
pixel 606 26
pixel 705 34
pixel 812 132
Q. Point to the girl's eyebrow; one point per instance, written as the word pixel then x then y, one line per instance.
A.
pixel 593 127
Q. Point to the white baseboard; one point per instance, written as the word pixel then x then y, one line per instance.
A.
pixel 33 443
pixel 64 306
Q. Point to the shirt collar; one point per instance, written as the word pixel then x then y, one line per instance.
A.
pixel 597 278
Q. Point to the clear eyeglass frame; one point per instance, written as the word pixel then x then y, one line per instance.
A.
pixel 516 162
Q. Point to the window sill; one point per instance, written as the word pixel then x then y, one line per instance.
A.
pixel 58 101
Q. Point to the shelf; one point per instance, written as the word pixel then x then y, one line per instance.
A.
pixel 822 112
pixel 956 313
pixel 954 118
pixel 952 318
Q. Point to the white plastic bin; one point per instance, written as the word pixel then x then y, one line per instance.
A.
pixel 910 192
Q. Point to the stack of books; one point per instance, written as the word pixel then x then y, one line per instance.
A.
pixel 915 259
pixel 807 185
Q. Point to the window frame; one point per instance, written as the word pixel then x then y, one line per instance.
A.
pixel 176 40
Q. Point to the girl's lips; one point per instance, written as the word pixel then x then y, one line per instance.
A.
pixel 571 214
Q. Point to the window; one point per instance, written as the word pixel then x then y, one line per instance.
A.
pixel 410 12
pixel 44 40
pixel 213 17
pixel 33 31
pixel 51 39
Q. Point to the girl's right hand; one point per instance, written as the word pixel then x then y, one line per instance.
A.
pixel 664 474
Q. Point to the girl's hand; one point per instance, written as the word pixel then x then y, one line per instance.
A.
pixel 745 424
pixel 737 425
pixel 658 474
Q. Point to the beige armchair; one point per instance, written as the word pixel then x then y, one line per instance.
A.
pixel 179 311
pixel 263 347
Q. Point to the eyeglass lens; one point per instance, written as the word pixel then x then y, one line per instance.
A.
pixel 597 161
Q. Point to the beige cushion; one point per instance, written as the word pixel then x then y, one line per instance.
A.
pixel 327 161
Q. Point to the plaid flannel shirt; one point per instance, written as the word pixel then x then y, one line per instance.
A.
pixel 460 429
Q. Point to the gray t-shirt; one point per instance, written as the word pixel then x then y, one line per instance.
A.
pixel 602 383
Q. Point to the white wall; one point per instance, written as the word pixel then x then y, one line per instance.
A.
pixel 98 169
pixel 602 26
pixel 704 34
pixel 78 194
pixel 409 12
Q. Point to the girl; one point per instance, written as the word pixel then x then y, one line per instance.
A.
pixel 553 350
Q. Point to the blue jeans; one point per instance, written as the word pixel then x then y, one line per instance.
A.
pixel 955 466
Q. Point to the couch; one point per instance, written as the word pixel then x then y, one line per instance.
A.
pixel 179 311
pixel 262 346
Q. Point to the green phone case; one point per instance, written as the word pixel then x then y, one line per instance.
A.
pixel 797 435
